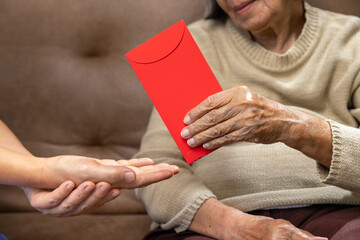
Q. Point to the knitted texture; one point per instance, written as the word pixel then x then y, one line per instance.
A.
pixel 319 74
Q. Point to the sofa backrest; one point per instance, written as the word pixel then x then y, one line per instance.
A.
pixel 66 86
pixel 351 7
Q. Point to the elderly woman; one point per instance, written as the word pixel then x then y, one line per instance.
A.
pixel 287 124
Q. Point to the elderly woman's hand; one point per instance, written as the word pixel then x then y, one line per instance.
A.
pixel 217 220
pixel 259 227
pixel 239 114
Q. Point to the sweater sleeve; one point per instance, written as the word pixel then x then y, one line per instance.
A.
pixel 344 170
pixel 171 203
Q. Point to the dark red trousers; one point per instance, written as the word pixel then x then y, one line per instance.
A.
pixel 336 222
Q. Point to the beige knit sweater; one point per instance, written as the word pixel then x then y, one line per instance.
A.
pixel 319 75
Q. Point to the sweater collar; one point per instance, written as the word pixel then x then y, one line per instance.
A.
pixel 272 61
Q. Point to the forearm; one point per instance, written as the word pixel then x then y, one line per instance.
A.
pixel 211 218
pixel 20 169
pixel 220 221
pixel 17 165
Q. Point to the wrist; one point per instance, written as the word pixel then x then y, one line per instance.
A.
pixel 52 175
pixel 312 136
pixel 215 219
pixel 36 172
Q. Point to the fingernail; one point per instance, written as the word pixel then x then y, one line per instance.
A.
pixel 115 194
pixel 185 133
pixel 206 145
pixel 187 119
pixel 175 168
pixel 69 186
pixel 129 177
pixel 163 165
pixel 191 142
pixel 88 188
pixel 103 188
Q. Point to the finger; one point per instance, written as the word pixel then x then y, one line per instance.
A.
pixel 212 133
pixel 141 170
pixel 138 170
pixel 100 191
pixel 139 162
pixel 108 162
pixel 111 174
pixel 214 101
pixel 111 195
pixel 154 176
pixel 223 140
pixel 76 197
pixel 210 119
pixel 46 200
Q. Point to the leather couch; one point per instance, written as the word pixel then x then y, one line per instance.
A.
pixel 67 88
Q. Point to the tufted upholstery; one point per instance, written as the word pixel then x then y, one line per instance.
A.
pixel 66 88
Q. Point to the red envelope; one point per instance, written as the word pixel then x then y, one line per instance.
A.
pixel 176 77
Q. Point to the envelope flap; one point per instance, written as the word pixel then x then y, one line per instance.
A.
pixel 159 46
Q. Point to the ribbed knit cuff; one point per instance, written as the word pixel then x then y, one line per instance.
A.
pixel 344 168
pixel 191 211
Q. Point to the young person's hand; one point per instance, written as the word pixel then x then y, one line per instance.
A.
pixel 128 174
pixel 66 200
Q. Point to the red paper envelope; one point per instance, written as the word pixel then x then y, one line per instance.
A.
pixel 176 77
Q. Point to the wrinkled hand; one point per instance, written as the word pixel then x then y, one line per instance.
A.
pixel 220 221
pixel 66 201
pixel 128 174
pixel 238 114
pixel 259 227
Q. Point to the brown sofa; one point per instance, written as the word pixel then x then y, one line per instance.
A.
pixel 66 88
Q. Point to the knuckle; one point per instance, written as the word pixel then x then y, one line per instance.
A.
pixel 52 202
pixel 66 207
pixel 217 130
pixel 211 118
pixel 85 209
pixel 194 128
pixel 285 225
pixel 243 88
pixel 228 138
pixel 211 100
